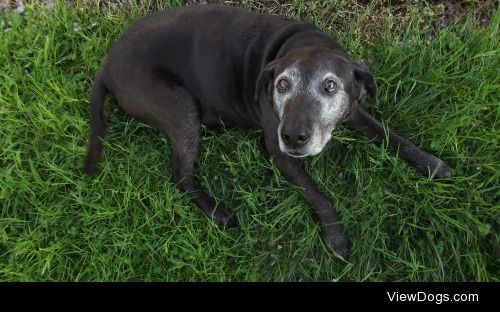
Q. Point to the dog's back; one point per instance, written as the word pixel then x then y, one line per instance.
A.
pixel 214 51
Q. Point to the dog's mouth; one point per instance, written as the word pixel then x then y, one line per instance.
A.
pixel 296 154
pixel 311 148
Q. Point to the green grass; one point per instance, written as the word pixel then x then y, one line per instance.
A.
pixel 132 224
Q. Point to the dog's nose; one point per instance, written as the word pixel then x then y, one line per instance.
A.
pixel 295 137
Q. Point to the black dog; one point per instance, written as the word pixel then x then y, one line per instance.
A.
pixel 182 67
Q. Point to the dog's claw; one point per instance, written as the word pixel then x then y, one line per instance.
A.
pixel 90 168
pixel 223 217
pixel 335 240
pixel 444 171
pixel 434 164
pixel 431 164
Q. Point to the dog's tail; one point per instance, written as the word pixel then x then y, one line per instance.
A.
pixel 97 126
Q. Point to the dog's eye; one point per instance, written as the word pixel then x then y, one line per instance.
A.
pixel 282 85
pixel 330 86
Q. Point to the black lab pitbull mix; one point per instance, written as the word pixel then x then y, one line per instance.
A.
pixel 179 68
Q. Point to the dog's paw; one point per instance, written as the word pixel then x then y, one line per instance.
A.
pixel 443 170
pixel 90 168
pixel 223 217
pixel 335 240
pixel 430 164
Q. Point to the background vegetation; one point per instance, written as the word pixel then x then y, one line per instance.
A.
pixel 437 65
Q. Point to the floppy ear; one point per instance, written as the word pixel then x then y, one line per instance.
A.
pixel 265 79
pixel 364 83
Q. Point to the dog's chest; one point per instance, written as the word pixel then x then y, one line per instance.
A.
pixel 231 113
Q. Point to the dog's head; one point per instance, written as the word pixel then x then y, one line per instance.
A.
pixel 312 91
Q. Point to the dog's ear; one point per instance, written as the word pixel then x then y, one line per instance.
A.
pixel 265 80
pixel 364 83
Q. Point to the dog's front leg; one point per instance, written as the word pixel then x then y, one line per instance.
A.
pixel 361 120
pixel 332 232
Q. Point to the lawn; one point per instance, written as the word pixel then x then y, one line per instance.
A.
pixel 439 85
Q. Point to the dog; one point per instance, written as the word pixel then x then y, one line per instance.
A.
pixel 182 67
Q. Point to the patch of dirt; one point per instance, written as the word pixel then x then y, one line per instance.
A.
pixel 435 14
pixel 18 5
pixel 444 13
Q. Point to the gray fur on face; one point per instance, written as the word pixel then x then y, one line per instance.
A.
pixel 292 74
pixel 332 108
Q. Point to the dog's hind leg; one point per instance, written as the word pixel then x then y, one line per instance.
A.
pixel 361 120
pixel 185 148
pixel 173 110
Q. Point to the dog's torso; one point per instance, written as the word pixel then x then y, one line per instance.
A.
pixel 215 52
